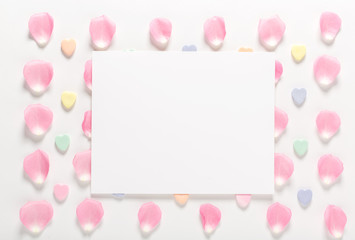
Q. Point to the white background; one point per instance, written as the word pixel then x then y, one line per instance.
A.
pixel 132 18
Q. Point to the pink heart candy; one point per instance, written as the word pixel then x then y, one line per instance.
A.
pixel 61 191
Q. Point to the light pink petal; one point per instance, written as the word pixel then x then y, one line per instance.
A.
pixel 330 24
pixel 89 213
pixel 38 118
pixel 38 75
pixel 243 200
pixel 149 216
pixel 41 27
pixel 215 31
pixel 281 120
pixel 271 31
pixel 86 125
pixel 61 191
pixel 88 73
pixel 278 71
pixel 335 220
pixel 102 30
pixel 36 166
pixel 82 165
pixel 36 215
pixel 210 217
pixel 278 216
pixel 326 69
pixel 328 124
pixel 160 32
pixel 329 168
pixel 283 169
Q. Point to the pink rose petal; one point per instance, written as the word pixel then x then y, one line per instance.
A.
pixel 328 124
pixel 61 191
pixel 210 217
pixel 36 215
pixel 160 32
pixel 329 168
pixel 89 213
pixel 278 216
pixel 271 31
pixel 88 74
pixel 335 220
pixel 243 200
pixel 41 27
pixel 215 31
pixel 281 120
pixel 330 24
pixel 278 71
pixel 36 166
pixel 283 169
pixel 326 69
pixel 38 118
pixel 82 165
pixel 102 30
pixel 149 216
pixel 38 75
pixel 86 125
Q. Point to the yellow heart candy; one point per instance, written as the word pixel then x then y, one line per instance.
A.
pixel 68 99
pixel 181 199
pixel 68 47
pixel 298 52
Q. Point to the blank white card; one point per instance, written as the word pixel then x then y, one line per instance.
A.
pixel 183 122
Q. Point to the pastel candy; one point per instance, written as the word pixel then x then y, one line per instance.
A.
pixel 329 169
pixel 326 70
pixel 36 166
pixel 330 24
pixel 215 31
pixel 38 75
pixel 62 142
pixel 38 118
pixel 271 31
pixel 304 197
pixel 41 27
pixel 243 200
pixel 102 30
pixel 89 213
pixel 68 47
pixel 298 52
pixel 68 99
pixel 189 48
pixel 300 146
pixel 328 124
pixel 335 220
pixel 181 199
pixel 149 216
pixel 210 217
pixel 244 49
pixel 82 165
pixel 278 217
pixel 278 71
pixel 283 169
pixel 160 32
pixel 36 215
pixel 86 124
pixel 299 96
pixel 281 120
pixel 61 191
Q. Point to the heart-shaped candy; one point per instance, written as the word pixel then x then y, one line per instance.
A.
pixel 299 96
pixel 304 197
pixel 300 146
pixel 60 192
pixel 68 99
pixel 298 52
pixel 189 48
pixel 62 142
pixel 68 47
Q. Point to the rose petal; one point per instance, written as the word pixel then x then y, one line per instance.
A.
pixel 86 125
pixel 330 24
pixel 149 216
pixel 215 31
pixel 283 169
pixel 82 165
pixel 88 74
pixel 335 220
pixel 328 124
pixel 326 69
pixel 102 30
pixel 36 215
pixel 329 168
pixel 271 31
pixel 41 27
pixel 61 191
pixel 181 199
pixel 38 75
pixel 89 213
pixel 278 71
pixel 243 200
pixel 160 32
pixel 210 217
pixel 278 216
pixel 36 166
pixel 281 120
pixel 38 118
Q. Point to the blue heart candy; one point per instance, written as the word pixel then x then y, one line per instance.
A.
pixel 304 197
pixel 299 96
pixel 189 48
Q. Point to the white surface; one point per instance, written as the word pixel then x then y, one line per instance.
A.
pixel 132 17
pixel 160 115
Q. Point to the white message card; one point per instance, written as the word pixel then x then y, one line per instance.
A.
pixel 183 122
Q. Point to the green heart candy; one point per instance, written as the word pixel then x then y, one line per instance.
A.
pixel 300 146
pixel 62 142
